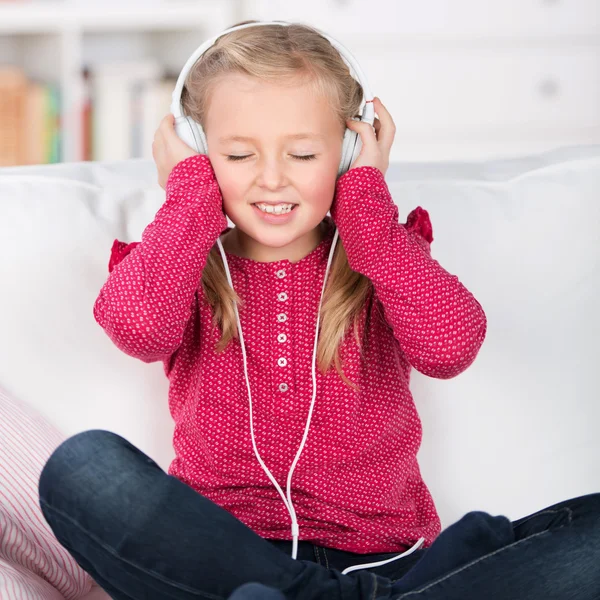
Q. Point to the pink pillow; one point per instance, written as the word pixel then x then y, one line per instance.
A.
pixel 33 564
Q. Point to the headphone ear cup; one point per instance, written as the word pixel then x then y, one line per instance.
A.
pixel 351 147
pixel 347 145
pixel 191 133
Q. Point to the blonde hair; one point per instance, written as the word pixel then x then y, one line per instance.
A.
pixel 282 53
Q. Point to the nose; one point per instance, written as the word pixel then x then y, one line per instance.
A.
pixel 271 173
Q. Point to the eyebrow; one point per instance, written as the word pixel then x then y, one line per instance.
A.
pixel 292 136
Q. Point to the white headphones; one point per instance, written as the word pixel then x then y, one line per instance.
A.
pixel 193 135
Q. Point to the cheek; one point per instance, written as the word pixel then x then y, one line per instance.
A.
pixel 319 190
pixel 321 173
pixel 229 183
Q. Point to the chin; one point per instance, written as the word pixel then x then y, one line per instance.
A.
pixel 276 239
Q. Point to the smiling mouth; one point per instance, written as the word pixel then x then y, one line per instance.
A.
pixel 275 203
pixel 276 211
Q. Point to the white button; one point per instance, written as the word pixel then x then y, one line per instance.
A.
pixel 281 317
pixel 281 337
pixel 282 296
pixel 280 273
pixel 283 387
pixel 282 361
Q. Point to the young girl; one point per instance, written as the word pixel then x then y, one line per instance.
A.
pixel 274 103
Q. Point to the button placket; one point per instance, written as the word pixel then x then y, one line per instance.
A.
pixel 282 337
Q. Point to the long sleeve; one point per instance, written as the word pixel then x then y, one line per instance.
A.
pixel 437 322
pixel 147 300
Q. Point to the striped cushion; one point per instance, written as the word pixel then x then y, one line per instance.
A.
pixel 33 564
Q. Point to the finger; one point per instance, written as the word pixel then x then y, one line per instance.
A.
pixel 167 121
pixel 168 130
pixel 366 132
pixel 388 127
pixel 382 112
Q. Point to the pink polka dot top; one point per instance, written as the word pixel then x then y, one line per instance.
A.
pixel 357 485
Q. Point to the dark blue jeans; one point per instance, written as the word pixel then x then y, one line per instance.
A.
pixel 143 534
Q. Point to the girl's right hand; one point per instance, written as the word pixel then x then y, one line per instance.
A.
pixel 168 149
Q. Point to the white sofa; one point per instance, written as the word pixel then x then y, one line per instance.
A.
pixel 517 431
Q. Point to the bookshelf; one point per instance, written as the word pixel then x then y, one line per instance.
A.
pixel 53 42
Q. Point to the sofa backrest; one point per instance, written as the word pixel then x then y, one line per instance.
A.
pixel 515 432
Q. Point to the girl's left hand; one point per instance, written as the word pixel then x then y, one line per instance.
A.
pixel 377 139
pixel 168 149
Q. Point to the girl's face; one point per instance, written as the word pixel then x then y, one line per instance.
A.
pixel 271 127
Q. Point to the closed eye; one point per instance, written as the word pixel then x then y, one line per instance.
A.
pixel 234 158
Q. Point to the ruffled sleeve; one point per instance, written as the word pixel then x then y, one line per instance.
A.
pixel 418 223
pixel 118 252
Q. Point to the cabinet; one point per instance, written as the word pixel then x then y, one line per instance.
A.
pixel 465 79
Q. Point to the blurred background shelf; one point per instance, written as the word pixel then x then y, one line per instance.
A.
pixel 463 79
pixel 57 16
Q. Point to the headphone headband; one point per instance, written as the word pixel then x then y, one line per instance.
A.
pixel 368 114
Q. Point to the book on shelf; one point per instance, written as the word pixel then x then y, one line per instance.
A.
pixel 30 131
pixel 121 106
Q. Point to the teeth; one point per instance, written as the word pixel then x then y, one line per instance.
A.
pixel 276 210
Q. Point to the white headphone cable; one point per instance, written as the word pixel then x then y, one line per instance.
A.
pixel 290 506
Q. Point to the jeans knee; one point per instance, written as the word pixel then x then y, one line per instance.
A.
pixel 70 456
pixel 484 528
pixel 585 507
pixel 592 504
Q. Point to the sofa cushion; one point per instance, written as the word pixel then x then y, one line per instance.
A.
pixel 33 564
